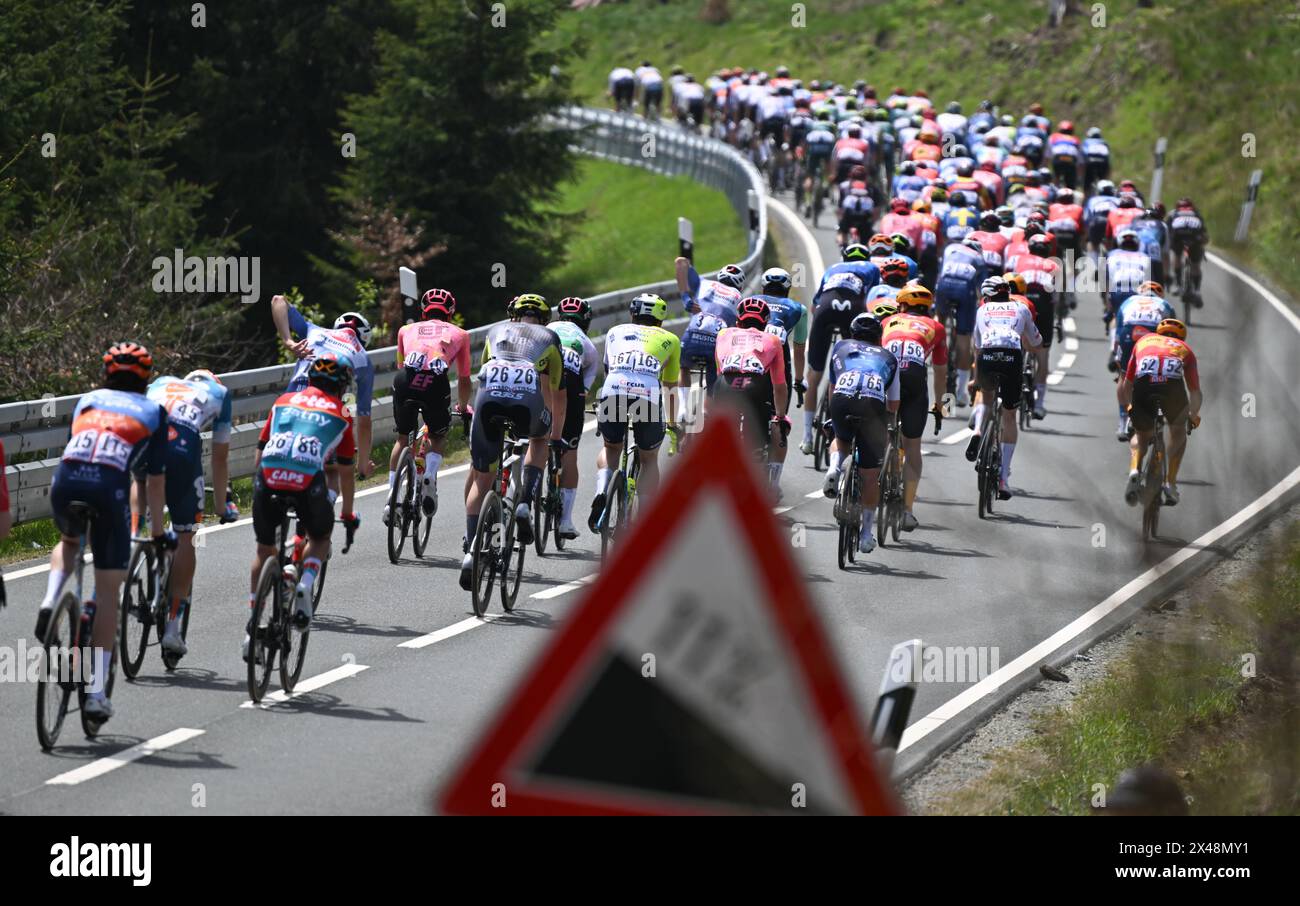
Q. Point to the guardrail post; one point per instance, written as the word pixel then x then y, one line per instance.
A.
pixel 1248 208
pixel 1158 177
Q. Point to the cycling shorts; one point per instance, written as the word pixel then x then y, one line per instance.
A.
pixel 575 409
pixel 870 428
pixel 1195 250
pixel 835 309
pixel 698 348
pixel 527 417
pixel 956 296
pixel 312 506
pixel 753 395
pixel 1000 371
pixel 185 480
pixel 107 492
pixel 913 399
pixel 1045 316
pixel 419 394
pixel 615 410
pixel 1170 395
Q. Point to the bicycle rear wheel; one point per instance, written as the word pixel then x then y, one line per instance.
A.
pixel 854 511
pixel 512 565
pixel 542 512
pixel 895 500
pixel 399 500
pixel 293 648
pixel 612 519
pixel 556 498
pixel 485 547
pixel 58 665
pixel 821 446
pixel 421 529
pixel 1152 479
pixel 264 630
pixel 135 613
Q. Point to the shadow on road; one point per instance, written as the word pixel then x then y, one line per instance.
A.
pixel 189 678
pixel 330 622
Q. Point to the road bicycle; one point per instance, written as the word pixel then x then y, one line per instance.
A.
pixel 270 626
pixel 66 657
pixel 621 493
pixel 988 463
pixel 1187 276
pixel 822 420
pixel 496 550
pixel 1028 390
pixel 550 503
pixel 889 508
pixel 406 514
pixel 679 435
pixel 146 605
pixel 848 501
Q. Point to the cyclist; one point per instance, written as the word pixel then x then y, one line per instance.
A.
pixel 849 152
pixel 961 220
pixel 1004 332
pixel 819 142
pixel 517 353
pixel 1188 234
pixel 712 306
pixel 914 337
pixel 840 296
pixel 651 83
pixel 751 365
pixel 1121 217
pixel 899 220
pixel 303 430
pixel 622 87
pixel 856 208
pixel 993 241
pixel 789 320
pixel 1042 275
pixel 1127 268
pixel 1096 214
pixel 960 276
pixel 426 351
pixel 193 403
pixel 640 359
pixel 1065 223
pixel 1096 155
pixel 1153 238
pixel 865 383
pixel 1140 314
pixel 1067 153
pixel 580 364
pixel 347 339
pixel 114 429
pixel 893 274
pixel 1161 370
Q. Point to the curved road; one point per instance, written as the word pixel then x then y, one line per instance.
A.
pixel 407 676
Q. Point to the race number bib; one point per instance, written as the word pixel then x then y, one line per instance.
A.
pixel 102 448
pixel 187 413
pixel 422 362
pixel 778 331
pixel 503 376
pixel 844 280
pixel 637 362
pixel 572 360
pixel 742 363
pixel 1152 366
pixel 907 350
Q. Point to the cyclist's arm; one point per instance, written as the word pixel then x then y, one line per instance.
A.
pixel 893 395
pixel 220 474
pixel 289 322
pixel 558 402
pixel 156 462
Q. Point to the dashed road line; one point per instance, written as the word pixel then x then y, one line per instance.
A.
pixel 101 766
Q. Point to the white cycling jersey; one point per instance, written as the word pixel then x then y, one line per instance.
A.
pixel 1005 325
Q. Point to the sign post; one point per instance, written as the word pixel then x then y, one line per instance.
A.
pixel 1158 177
pixel 410 294
pixel 686 239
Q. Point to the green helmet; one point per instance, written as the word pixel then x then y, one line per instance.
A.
pixel 649 305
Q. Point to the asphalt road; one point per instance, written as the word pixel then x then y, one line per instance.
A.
pixel 408 676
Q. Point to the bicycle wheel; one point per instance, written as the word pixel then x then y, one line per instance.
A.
pixel 1152 479
pixel 556 498
pixel 264 629
pixel 541 512
pixel 986 487
pixel 318 587
pixel 512 565
pixel 854 510
pixel 421 530
pixel 90 727
pixel 135 613
pixel 613 510
pixel 399 499
pixel 293 645
pixel 822 446
pixel 486 547
pixel 895 500
pixel 58 666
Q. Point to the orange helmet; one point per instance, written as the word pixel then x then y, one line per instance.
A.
pixel 1017 281
pixel 1151 288
pixel 128 357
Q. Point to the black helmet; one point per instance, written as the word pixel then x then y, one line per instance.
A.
pixel 866 327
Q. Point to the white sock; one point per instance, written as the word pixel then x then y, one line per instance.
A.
pixel 101 663
pixel 602 479
pixel 809 416
pixel 774 472
pixel 567 498
pixel 52 585
pixel 837 459
pixel 963 379
pixel 683 399
pixel 979 417
pixel 392 477
pixel 868 517
pixel 431 462
pixel 1041 390
pixel 1008 450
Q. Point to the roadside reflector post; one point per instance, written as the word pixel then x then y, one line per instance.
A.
pixel 410 293
pixel 686 239
pixel 1248 208
pixel 1158 177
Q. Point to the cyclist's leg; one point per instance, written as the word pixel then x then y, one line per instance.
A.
pixel 913 410
pixel 1174 401
pixel 484 450
pixel 435 408
pixel 110 542
pixel 819 346
pixel 1143 415
pixel 316 518
pixel 965 320
pixel 611 428
pixel 648 434
pixel 873 438
pixel 63 559
pixel 573 425
pixel 404 419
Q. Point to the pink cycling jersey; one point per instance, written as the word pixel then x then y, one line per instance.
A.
pixel 432 346
pixel 740 350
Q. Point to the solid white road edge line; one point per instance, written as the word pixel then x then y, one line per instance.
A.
pixel 101 766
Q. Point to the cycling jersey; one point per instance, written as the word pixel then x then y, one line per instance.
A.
pixel 1119 218
pixel 788 319
pixel 580 357
pixel 113 431
pixel 913 339
pixel 863 371
pixel 847 278
pixel 881 291
pixel 514 354
pixel 194 405
pixel 340 343
pixel 433 346
pixel 638 358
pixel 1005 325
pixel 303 429
pixel 1158 360
pixel 820 143
pixel 1125 272
pixel 1137 317
pixel 959 223
pixel 747 352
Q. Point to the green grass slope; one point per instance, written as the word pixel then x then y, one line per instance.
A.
pixel 1202 74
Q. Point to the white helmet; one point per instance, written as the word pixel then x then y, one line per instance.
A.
pixel 357 322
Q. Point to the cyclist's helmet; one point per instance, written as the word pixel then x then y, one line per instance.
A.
pixel 883 308
pixel 1128 239
pixel 989 221
pixel 1094 132
pixel 901 243
pixel 128 358
pixel 573 308
pixel 1036 109
pixel 782 72
pixel 1172 327
pixel 1008 119
pixel 880 244
pixel 973 244
pixel 1065 196
pixel 777 278
pixel 939 193
pixel 1065 127
pixel 898 205
pixel 866 327
pixel 922 205
pixel 995 288
pixel 907 168
pixel 1128 185
pixel 1185 203
pixel 438 303
pixel 528 304
pixel 954 107
pixel 330 374
pixel 893 269
pixel 1032 228
pixel 958 199
pixel 202 374
pixel 855 252
pixel 1040 245
pixel 1105 187
pixel 959 151
pixel 914 295
pixel 753 312
pixel 1158 210
pixel 1151 288
pixel 965 169
pixel 355 320
pixel 649 305
pixel 1006 215
pixel 1127 200
pixel 732 275
pixel 1016 282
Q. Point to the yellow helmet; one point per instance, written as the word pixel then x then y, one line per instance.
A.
pixel 1017 282
pixel 914 295
pixel 1172 327
pixel 922 205
pixel 529 303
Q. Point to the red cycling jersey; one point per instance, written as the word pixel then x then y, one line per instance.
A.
pixel 1159 359
pixel 914 338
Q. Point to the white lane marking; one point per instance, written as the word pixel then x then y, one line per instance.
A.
pixel 308 685
pixel 954 706
pixel 102 766
pixel 1055 377
pixel 812 251
pixel 1065 362
pixel 816 493
pixel 782 509
pixel 1258 287
pixel 1069 325
pixel 448 632
pixel 957 436
pixel 1072 344
pixel 564 589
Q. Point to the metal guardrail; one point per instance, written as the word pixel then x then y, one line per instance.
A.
pixel 41 426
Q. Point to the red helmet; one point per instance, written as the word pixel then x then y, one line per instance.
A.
pixel 1040 245
pixel 1066 127
pixel 573 308
pixel 1185 203
pixel 1036 109
pixel 899 206
pixel 893 267
pixel 753 309
pixel 438 300
pixel 128 357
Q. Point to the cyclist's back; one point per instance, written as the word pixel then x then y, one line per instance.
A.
pixel 339 343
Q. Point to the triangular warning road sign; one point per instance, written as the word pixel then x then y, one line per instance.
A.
pixel 693 677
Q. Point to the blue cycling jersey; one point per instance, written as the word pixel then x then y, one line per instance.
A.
pixel 339 343
pixel 859 369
